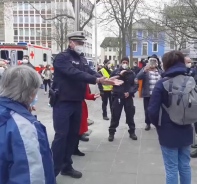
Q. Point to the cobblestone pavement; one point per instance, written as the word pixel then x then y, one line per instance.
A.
pixel 121 162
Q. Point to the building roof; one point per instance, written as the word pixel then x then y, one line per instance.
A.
pixel 146 24
pixel 110 42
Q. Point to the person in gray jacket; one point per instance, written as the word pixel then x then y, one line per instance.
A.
pixel 150 74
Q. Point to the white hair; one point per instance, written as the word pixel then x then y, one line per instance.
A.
pixel 20 83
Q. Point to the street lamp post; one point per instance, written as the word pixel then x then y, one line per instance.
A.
pixel 77 12
pixel 96 57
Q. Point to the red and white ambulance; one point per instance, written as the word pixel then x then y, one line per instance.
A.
pixel 38 55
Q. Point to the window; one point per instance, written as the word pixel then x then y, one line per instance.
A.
pixel 26 19
pixel 32 32
pixel 15 32
pixel 4 54
pixel 26 32
pixel 45 57
pixel 184 45
pixel 20 32
pixel 134 34
pixel 31 19
pixel 20 6
pixel 144 49
pixel 106 49
pixel 110 49
pixel 114 49
pixel 134 47
pixel 155 47
pixel 20 19
pixel 26 6
pixel 37 21
pixel 144 33
pixel 114 58
pixel 37 32
pixel 172 45
pixel 105 57
pixel 20 55
pixel 109 57
pixel 15 19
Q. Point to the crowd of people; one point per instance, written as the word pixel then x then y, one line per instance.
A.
pixel 168 88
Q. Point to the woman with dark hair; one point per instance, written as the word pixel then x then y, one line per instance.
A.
pixel 149 75
pixel 175 140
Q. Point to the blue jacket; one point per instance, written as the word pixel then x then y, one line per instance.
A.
pixel 145 84
pixel 25 156
pixel 71 75
pixel 170 134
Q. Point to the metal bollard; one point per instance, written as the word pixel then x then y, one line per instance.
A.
pixel 194 136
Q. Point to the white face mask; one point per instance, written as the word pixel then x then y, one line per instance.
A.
pixel 188 65
pixel 125 66
pixel 78 49
pixel 25 61
pixel 109 66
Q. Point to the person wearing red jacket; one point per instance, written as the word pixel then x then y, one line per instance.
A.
pixel 84 118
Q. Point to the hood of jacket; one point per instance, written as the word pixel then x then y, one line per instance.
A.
pixel 175 70
pixel 7 105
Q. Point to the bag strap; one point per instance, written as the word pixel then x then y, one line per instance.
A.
pixel 182 89
pixel 170 92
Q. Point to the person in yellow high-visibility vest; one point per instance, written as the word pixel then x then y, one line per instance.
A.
pixel 105 90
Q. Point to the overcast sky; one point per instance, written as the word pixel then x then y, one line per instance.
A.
pixel 102 33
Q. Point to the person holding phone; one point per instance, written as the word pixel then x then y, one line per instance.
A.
pixel 150 74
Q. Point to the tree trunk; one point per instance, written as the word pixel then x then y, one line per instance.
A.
pixel 120 46
pixel 131 54
pixel 123 43
pixel 62 36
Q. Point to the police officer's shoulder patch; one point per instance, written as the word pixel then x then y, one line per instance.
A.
pixel 75 62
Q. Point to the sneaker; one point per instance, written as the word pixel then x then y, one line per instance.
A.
pixel 72 173
pixel 193 154
pixel 133 136
pixel 111 138
pixel 105 118
pixel 148 127
pixel 45 92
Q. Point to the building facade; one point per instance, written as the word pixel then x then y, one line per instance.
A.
pixel 147 39
pixel 110 50
pixel 27 23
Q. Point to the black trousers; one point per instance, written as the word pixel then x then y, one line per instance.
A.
pixel 105 98
pixel 129 109
pixel 146 103
pixel 66 121
pixel 47 82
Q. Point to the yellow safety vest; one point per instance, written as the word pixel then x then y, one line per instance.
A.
pixel 106 74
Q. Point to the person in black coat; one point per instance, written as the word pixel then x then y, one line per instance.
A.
pixel 122 96
pixel 71 76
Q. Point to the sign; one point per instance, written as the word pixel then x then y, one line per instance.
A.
pixel 13 58
pixel 32 54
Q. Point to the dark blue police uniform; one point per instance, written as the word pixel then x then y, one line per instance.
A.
pixel 71 75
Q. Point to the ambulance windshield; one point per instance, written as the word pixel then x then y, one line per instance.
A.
pixel 4 54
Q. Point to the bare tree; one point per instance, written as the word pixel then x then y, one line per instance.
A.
pixel 120 12
pixel 66 14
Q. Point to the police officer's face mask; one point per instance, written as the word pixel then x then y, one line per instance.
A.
pixel 125 66
pixel 78 48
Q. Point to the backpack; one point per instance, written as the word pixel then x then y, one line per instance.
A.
pixel 182 100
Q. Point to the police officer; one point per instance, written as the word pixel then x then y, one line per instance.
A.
pixel 71 75
pixel 123 97
pixel 105 90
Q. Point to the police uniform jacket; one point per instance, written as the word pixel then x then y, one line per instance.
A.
pixel 128 85
pixel 71 75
